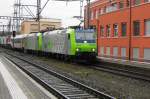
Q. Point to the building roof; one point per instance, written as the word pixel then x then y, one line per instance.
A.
pixel 98 2
pixel 45 20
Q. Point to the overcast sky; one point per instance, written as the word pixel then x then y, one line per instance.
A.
pixel 54 9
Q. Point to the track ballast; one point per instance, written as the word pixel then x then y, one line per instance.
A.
pixel 59 85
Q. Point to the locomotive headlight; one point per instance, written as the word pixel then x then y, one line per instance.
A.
pixel 93 49
pixel 85 41
pixel 77 49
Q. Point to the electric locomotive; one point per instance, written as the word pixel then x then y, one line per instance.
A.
pixel 64 43
pixel 5 41
pixel 85 43
pixel 70 43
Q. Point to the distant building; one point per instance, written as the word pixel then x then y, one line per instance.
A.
pixel 31 26
pixel 123 29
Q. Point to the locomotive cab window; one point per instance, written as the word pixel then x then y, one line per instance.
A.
pixel 68 36
pixel 85 35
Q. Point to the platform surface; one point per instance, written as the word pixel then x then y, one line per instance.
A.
pixel 15 84
pixel 145 65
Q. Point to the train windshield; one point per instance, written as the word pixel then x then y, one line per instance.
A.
pixel 87 36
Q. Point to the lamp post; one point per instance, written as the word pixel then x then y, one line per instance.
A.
pixel 38 13
pixel 81 5
pixel 88 13
pixel 3 29
pixel 130 30
pixel 13 34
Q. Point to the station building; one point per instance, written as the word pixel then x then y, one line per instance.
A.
pixel 123 28
pixel 32 26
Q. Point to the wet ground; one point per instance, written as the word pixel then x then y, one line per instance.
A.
pixel 118 86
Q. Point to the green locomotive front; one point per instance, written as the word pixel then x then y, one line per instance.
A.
pixel 83 43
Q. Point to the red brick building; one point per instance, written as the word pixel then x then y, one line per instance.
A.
pixel 123 30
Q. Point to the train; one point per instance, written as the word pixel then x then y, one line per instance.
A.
pixel 5 41
pixel 65 44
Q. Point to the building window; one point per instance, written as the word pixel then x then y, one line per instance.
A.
pixel 101 31
pixel 115 30
pixel 128 3
pixel 101 50
pixel 135 53
pixel 136 2
pixel 115 51
pixel 146 0
pixel 112 7
pixel 108 51
pixel 97 14
pixel 147 53
pixel 108 30
pixel 123 29
pixel 147 27
pixel 136 28
pixel 121 4
pixel 102 11
pixel 99 11
pixel 123 52
pixel 92 15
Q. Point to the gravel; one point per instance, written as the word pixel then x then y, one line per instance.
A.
pixel 119 86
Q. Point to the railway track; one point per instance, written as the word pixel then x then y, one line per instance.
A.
pixel 132 72
pixel 138 73
pixel 59 85
pixel 127 71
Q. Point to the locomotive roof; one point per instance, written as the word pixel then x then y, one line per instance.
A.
pixel 32 34
pixel 20 36
pixel 56 32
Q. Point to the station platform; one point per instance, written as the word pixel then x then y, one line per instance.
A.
pixel 143 65
pixel 15 84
